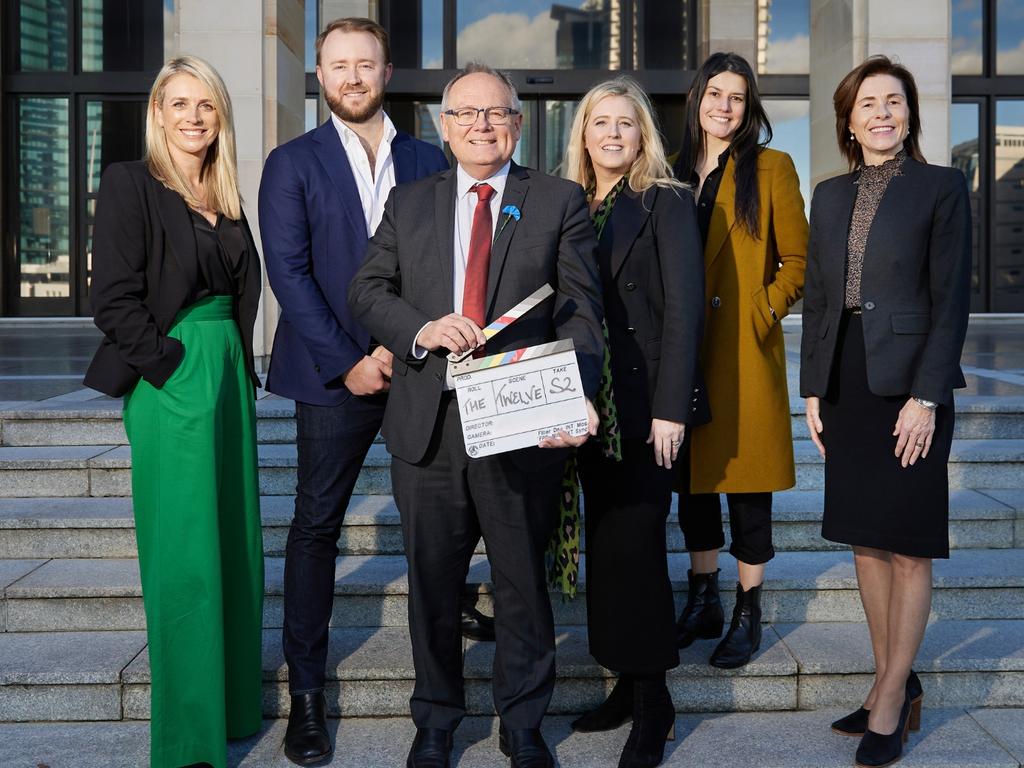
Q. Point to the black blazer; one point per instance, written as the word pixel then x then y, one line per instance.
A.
pixel 652 272
pixel 915 287
pixel 407 281
pixel 144 267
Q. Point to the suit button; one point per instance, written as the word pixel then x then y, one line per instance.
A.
pixel 869 305
pixel 631 331
pixel 634 369
pixel 630 286
pixel 716 302
pixel 316 368
pixel 694 400
pixel 694 410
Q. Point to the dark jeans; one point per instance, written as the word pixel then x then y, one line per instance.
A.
pixel 750 522
pixel 332 443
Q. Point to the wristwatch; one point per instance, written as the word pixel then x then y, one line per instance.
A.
pixel 931 406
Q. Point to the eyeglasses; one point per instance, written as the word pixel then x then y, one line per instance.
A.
pixel 466 116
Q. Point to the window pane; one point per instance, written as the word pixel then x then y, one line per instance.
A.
pixel 312 31
pixel 113 35
pixel 43 197
pixel 312 117
pixel 419 118
pixel 114 132
pixel 557 127
pixel 533 34
pixel 665 26
pixel 966 43
pixel 1010 37
pixel 1008 246
pixel 43 35
pixel 965 156
pixel 783 37
pixel 791 133
pixel 417 35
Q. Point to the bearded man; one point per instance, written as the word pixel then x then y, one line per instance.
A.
pixel 321 197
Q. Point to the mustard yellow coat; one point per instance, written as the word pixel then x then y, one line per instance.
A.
pixel 748 445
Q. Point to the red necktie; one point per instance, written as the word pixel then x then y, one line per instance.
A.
pixel 474 292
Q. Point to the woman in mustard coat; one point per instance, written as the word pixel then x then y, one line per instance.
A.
pixel 751 216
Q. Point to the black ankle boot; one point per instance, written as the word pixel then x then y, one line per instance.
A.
pixel 612 712
pixel 877 749
pixel 744 635
pixel 702 617
pixel 654 723
pixel 856 723
pixel 306 741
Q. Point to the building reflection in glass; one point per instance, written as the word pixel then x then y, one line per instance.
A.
pixel 1008 237
pixel 965 155
pixel 43 197
pixel 43 35
pixel 783 37
pixel 532 34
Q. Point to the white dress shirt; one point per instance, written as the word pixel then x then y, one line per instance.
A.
pixel 465 208
pixel 374 186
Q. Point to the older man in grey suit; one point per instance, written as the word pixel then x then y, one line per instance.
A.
pixel 445 261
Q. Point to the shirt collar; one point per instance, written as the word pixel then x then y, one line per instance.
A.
pixel 465 181
pixel 348 136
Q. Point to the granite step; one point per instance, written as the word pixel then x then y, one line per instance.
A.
pixel 89 470
pixel 106 675
pixel 104 527
pixel 372 591
pixel 98 422
pixel 952 738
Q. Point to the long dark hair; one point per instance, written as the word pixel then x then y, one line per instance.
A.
pixel 753 134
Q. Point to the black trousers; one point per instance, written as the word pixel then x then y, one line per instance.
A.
pixel 750 521
pixel 332 444
pixel 446 502
pixel 630 611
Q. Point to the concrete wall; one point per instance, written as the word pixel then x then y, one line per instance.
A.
pixel 729 25
pixel 845 32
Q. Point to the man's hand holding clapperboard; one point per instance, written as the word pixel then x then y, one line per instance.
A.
pixel 522 398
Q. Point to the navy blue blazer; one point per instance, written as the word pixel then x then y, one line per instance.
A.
pixel 314 240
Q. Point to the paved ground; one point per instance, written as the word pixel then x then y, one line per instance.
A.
pixel 42 360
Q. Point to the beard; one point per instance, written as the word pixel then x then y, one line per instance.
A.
pixel 336 102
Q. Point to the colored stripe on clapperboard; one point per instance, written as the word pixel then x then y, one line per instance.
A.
pixel 526 353
pixel 503 322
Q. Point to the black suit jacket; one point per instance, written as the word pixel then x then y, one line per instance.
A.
pixel 652 271
pixel 915 284
pixel 144 269
pixel 407 281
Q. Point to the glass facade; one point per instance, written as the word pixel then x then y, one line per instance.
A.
pixel 783 37
pixel 965 137
pixel 43 35
pixel 966 45
pixel 1010 37
pixel 1008 237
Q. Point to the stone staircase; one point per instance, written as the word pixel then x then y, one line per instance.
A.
pixel 73 648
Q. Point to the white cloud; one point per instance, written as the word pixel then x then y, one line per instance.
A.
pixel 789 56
pixel 966 62
pixel 512 40
pixel 784 110
pixel 1010 61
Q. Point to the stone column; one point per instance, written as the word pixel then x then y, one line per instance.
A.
pixel 728 25
pixel 257 46
pixel 844 32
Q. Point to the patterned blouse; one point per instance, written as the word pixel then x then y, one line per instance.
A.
pixel 871 186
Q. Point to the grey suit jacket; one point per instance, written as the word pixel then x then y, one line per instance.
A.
pixel 407 280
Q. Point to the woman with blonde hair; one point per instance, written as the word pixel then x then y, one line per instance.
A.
pixel 649 253
pixel 175 288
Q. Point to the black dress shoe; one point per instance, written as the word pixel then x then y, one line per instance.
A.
pixel 702 617
pixel 744 635
pixel 306 742
pixel 476 625
pixel 526 747
pixel 877 750
pixel 432 748
pixel 856 723
pixel 612 712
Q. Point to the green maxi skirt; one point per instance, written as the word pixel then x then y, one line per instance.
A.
pixel 197 517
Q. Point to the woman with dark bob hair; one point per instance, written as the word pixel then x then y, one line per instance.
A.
pixel 884 319
pixel 754 232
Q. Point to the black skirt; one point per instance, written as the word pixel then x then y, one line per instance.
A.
pixel 870 499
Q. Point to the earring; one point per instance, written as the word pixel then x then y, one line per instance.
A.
pixel 852 137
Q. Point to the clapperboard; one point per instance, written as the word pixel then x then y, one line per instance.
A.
pixel 515 399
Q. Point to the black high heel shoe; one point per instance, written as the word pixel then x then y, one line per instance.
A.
pixel 856 723
pixel 654 723
pixel 612 712
pixel 877 750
